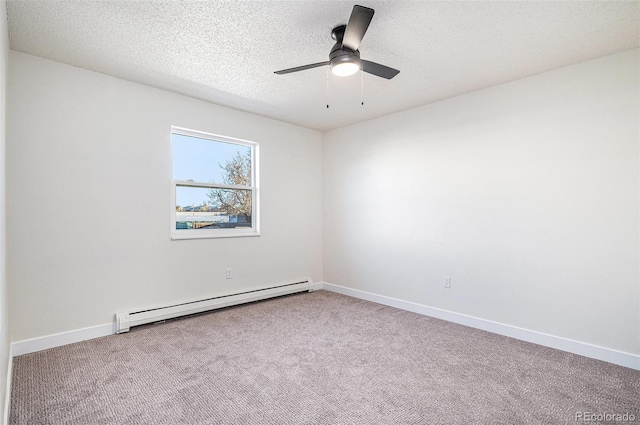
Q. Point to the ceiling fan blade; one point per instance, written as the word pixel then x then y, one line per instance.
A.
pixel 356 27
pixel 379 70
pixel 301 68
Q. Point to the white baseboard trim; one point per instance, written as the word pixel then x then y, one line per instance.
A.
pixel 315 286
pixel 63 338
pixel 576 347
pixel 7 394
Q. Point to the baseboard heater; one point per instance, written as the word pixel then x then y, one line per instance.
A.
pixel 125 321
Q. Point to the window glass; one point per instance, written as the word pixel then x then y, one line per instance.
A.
pixel 214 186
pixel 202 208
pixel 203 160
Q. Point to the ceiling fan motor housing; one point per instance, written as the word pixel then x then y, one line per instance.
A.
pixel 339 53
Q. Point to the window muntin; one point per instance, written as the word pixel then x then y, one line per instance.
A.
pixel 214 180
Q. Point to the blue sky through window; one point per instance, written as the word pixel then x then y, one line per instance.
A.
pixel 199 160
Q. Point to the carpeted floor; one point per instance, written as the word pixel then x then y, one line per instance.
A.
pixel 316 358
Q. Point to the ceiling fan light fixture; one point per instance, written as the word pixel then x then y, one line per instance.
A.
pixel 344 66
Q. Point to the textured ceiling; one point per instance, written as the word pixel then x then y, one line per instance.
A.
pixel 226 52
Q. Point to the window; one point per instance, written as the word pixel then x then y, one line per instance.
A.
pixel 214 183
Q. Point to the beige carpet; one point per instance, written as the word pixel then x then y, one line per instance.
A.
pixel 317 358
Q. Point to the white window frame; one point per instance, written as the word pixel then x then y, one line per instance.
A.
pixel 254 230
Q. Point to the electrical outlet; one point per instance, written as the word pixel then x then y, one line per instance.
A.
pixel 229 273
pixel 447 282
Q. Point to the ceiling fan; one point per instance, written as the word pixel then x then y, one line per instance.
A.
pixel 344 58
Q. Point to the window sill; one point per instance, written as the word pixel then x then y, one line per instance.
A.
pixel 213 234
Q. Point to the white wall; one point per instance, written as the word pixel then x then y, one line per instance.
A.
pixel 526 194
pixel 4 305
pixel 89 191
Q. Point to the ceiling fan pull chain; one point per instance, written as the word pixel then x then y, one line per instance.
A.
pixel 362 87
pixel 327 96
